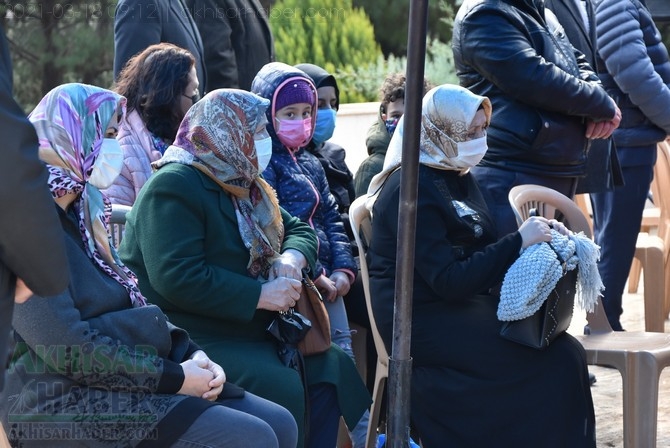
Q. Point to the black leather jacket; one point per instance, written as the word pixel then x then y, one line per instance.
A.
pixel 542 89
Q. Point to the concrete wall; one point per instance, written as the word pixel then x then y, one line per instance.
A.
pixel 353 122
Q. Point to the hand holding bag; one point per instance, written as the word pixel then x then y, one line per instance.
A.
pixel 543 272
pixel 551 320
pixel 558 270
pixel 310 305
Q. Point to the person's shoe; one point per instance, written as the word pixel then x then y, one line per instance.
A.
pixel 592 379
pixel 381 442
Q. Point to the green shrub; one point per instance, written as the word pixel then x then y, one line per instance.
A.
pixel 340 38
pixel 53 43
pixel 329 33
pixel 391 22
pixel 363 85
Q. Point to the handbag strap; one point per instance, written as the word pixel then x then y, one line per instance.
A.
pixel 308 283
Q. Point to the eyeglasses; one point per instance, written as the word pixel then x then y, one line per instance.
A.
pixel 194 98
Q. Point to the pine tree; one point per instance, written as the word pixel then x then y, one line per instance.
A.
pixel 53 43
pixel 329 33
pixel 391 22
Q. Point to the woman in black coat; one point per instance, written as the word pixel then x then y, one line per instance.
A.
pixel 470 387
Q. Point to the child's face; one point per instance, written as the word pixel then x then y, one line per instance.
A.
pixel 327 97
pixel 394 109
pixel 297 111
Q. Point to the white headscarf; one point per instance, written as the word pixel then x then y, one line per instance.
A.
pixel 446 114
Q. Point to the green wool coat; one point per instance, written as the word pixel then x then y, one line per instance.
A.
pixel 183 242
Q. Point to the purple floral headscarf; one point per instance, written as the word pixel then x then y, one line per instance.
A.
pixel 71 121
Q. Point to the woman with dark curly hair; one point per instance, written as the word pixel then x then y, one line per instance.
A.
pixel 160 84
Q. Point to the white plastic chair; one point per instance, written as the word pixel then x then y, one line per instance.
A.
pixel 359 216
pixel 117 222
pixel 639 356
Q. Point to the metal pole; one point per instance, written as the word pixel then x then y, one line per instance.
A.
pixel 400 361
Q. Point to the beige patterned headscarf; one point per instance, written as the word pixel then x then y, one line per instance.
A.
pixel 217 137
pixel 447 112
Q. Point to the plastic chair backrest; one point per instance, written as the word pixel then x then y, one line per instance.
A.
pixel 552 204
pixel 361 225
pixel 117 222
pixel 360 219
pixel 639 356
pixel 661 193
pixel 548 203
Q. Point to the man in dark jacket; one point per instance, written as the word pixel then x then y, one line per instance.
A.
pixel 32 247
pixel 237 40
pixel 635 69
pixel 577 17
pixel 140 23
pixel 546 101
pixel 603 173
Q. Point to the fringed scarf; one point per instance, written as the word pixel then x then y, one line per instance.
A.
pixel 536 272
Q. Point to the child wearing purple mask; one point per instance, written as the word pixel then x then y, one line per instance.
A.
pixel 302 188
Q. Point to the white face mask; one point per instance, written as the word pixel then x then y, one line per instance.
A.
pixel 108 165
pixel 263 152
pixel 470 153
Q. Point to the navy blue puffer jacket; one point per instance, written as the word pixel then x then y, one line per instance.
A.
pixel 634 68
pixel 300 181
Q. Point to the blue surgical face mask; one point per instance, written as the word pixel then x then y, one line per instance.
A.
pixel 391 124
pixel 263 152
pixel 325 125
pixel 107 165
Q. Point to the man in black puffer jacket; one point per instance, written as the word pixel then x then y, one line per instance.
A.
pixel 547 101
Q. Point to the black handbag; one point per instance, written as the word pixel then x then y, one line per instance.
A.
pixel 551 320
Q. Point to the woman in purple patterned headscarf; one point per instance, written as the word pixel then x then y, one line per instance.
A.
pixel 73 123
pixel 97 365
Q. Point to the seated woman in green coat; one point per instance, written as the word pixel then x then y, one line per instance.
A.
pixel 210 245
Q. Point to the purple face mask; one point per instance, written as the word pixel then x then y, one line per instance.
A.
pixel 294 133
